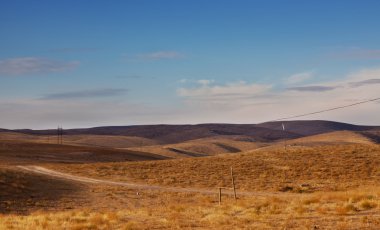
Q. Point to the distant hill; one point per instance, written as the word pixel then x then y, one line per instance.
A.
pixel 313 127
pixel 177 133
pixel 170 134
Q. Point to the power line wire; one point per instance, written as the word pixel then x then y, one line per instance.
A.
pixel 326 110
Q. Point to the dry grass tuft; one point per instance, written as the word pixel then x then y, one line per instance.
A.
pixel 368 204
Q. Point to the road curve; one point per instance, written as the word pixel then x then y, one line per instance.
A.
pixel 66 176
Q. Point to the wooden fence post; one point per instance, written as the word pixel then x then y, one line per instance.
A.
pixel 220 195
pixel 233 183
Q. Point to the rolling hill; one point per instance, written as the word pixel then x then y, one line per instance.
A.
pixel 22 192
pixel 169 134
pixel 336 137
pixel 204 147
pixel 198 140
pixel 313 127
pixel 20 152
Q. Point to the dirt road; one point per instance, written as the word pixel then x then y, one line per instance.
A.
pixel 66 176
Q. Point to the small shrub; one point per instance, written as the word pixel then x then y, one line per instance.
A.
pixel 311 200
pixel 368 204
pixel 345 209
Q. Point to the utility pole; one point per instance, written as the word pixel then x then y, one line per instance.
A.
pixel 233 183
pixel 59 135
pixel 283 129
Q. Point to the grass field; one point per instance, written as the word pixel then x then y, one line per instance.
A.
pixel 326 182
pixel 317 168
pixel 203 147
pixel 328 210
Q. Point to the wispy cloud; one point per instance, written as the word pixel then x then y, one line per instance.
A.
pixel 299 77
pixel 183 81
pixel 34 65
pixel 312 88
pixel 160 55
pixel 197 82
pixel 230 91
pixel 365 82
pixel 204 82
pixel 236 102
pixel 93 93
pixel 249 102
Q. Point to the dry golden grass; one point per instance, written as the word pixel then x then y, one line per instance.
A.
pixel 22 192
pixel 83 140
pixel 23 152
pixel 180 211
pixel 298 169
pixel 324 187
pixel 334 138
pixel 202 147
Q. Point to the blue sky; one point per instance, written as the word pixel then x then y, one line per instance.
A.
pixel 91 63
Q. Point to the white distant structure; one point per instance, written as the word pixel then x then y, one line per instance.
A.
pixel 283 129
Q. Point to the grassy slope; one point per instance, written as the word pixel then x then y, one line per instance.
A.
pixel 349 168
pixel 85 140
pixel 21 192
pixel 325 168
pixel 334 138
pixel 16 152
pixel 348 210
pixel 313 173
pixel 204 147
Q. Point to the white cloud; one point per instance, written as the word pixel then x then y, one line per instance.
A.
pixel 364 74
pixel 299 77
pixel 205 82
pixel 222 92
pixel 34 65
pixel 183 80
pixel 34 113
pixel 236 102
pixel 241 102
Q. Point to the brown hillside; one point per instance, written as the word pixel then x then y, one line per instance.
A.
pixel 204 147
pixel 22 192
pixel 324 168
pixel 85 140
pixel 313 127
pixel 337 137
pixel 28 152
pixel 170 134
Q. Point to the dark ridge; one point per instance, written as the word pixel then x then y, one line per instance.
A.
pixel 187 153
pixel 168 134
pixel 230 149
pixel 177 133
pixel 313 127
pixel 373 135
